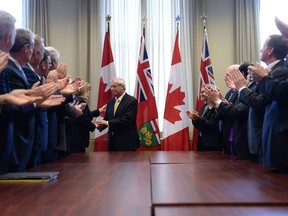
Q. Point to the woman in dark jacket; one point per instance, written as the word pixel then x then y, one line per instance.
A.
pixel 83 125
pixel 206 121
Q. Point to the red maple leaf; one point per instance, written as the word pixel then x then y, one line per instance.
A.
pixel 174 98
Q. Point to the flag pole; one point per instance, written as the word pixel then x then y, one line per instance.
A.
pixel 204 18
pixel 143 21
pixel 202 81
pixel 108 19
pixel 177 19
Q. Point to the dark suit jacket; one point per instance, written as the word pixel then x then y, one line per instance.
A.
pixel 122 133
pixel 41 122
pixel 23 120
pixel 207 124
pixel 226 122
pixel 275 125
pixel 257 103
pixel 238 112
pixel 6 128
pixel 81 128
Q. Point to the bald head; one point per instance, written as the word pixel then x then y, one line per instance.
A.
pixel 231 68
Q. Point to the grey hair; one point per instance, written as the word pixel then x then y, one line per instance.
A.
pixel 7 23
pixel 23 36
pixel 119 81
pixel 54 53
pixel 38 40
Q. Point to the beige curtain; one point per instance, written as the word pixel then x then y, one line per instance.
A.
pixel 37 17
pixel 91 26
pixel 247 30
pixel 159 41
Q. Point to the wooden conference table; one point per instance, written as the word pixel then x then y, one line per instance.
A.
pixel 150 183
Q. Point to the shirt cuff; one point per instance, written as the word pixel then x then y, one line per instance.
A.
pixel 218 103
pixel 239 90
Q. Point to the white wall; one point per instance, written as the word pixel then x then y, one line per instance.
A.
pixel 220 25
pixel 63 31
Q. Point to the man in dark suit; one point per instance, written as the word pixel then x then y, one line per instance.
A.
pixel 239 113
pixel 120 117
pixel 24 119
pixel 257 101
pixel 275 124
pixel 226 122
pixel 7 37
pixel 41 121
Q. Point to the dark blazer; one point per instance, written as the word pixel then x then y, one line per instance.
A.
pixel 23 119
pixel 41 123
pixel 226 122
pixel 256 103
pixel 6 128
pixel 64 112
pixel 238 112
pixel 81 128
pixel 207 124
pixel 122 133
pixel 275 125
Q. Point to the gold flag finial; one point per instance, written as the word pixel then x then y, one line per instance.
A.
pixel 144 21
pixel 177 19
pixel 204 18
pixel 108 19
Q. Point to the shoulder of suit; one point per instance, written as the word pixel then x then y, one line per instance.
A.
pixel 130 96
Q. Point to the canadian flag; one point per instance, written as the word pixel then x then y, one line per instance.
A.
pixel 176 124
pixel 107 72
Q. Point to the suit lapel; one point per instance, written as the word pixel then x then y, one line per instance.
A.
pixel 19 74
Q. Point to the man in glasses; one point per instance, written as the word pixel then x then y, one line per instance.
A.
pixel 120 118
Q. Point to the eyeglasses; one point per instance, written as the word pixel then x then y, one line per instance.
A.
pixel 48 63
pixel 114 86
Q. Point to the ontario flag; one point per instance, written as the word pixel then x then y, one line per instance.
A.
pixel 176 123
pixel 107 73
pixel 206 76
pixel 147 115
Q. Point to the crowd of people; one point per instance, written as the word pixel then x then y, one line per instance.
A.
pixel 251 121
pixel 39 101
pixel 44 113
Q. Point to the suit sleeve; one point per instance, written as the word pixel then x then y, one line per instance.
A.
pixel 253 99
pixel 237 111
pixel 202 123
pixel 274 89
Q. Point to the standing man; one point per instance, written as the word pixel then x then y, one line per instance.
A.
pixel 275 123
pixel 41 121
pixel 120 117
pixel 20 54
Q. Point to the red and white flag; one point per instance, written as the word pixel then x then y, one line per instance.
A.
pixel 147 115
pixel 176 123
pixel 206 76
pixel 107 72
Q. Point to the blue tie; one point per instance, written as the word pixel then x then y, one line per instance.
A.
pixel 23 74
